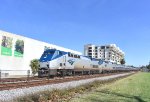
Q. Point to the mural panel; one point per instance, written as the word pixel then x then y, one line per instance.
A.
pixel 6 46
pixel 19 48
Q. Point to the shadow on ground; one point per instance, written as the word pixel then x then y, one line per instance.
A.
pixel 119 97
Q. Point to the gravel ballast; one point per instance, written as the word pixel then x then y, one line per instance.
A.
pixel 9 95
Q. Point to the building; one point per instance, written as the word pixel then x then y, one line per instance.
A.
pixel 109 52
pixel 16 52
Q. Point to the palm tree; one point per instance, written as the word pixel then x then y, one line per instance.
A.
pixel 34 64
pixel 122 61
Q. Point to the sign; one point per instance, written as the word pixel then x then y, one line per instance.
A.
pixel 6 46
pixel 19 48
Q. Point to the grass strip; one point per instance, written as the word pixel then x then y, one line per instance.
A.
pixel 135 88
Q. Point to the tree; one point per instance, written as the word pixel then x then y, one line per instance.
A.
pixel 122 61
pixel 148 66
pixel 34 64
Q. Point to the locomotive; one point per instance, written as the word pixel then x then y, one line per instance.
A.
pixel 56 62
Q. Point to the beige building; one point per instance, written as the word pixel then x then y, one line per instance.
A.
pixel 109 52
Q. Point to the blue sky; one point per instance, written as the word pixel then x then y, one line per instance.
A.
pixel 74 23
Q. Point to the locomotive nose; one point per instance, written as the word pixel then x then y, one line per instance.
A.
pixel 47 64
pixel 44 65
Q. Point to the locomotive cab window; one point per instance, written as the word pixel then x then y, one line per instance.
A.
pixel 50 52
pixel 60 64
pixel 75 56
pixel 44 55
pixel 60 53
pixel 69 55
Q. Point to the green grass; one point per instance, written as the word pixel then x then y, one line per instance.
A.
pixel 135 88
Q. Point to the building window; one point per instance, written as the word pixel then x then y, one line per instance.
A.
pixel 89 53
pixel 102 47
pixel 107 47
pixel 89 50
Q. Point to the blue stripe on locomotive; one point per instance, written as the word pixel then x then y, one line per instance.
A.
pixel 51 54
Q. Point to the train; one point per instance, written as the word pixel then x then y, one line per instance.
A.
pixel 55 62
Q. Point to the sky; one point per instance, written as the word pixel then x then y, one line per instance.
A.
pixel 74 23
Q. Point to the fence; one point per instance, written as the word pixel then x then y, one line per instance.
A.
pixel 8 76
pixel 14 76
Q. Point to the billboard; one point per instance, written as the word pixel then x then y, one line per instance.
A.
pixel 6 46
pixel 19 48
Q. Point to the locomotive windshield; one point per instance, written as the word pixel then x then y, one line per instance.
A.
pixel 46 56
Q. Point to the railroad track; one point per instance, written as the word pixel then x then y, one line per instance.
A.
pixel 44 81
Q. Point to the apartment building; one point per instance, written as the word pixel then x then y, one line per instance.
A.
pixel 109 52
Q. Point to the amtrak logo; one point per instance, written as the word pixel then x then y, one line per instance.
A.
pixel 100 62
pixel 71 61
